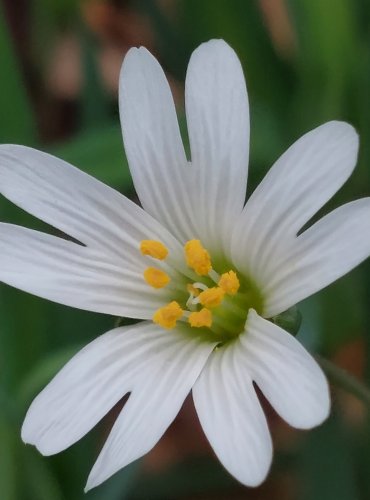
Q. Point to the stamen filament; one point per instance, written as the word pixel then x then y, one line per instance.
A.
pixel 191 303
pixel 199 285
pixel 214 276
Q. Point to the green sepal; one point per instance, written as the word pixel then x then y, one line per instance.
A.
pixel 290 320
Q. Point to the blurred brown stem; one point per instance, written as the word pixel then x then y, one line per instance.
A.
pixel 341 378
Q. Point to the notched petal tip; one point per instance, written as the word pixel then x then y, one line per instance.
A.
pixel 30 437
pixel 27 434
pixel 135 58
pixel 132 51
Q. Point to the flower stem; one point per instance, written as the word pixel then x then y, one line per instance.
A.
pixel 341 378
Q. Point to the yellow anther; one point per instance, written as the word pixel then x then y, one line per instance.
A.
pixel 212 297
pixel 156 277
pixel 201 318
pixel 229 282
pixel 154 249
pixel 191 289
pixel 168 315
pixel 197 257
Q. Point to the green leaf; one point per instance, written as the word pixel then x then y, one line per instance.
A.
pixel 290 320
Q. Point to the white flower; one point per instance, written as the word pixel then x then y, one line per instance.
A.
pixel 212 304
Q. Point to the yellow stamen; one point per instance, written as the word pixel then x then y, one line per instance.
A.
pixel 229 282
pixel 197 257
pixel 212 297
pixel 156 277
pixel 191 289
pixel 168 315
pixel 200 318
pixel 154 249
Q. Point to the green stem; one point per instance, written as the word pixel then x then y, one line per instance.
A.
pixel 341 378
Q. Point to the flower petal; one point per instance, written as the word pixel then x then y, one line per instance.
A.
pixel 77 204
pixel 74 275
pixel 321 254
pixel 153 143
pixel 303 179
pixel 96 378
pixel 232 417
pixel 160 385
pixel 286 373
pixel 217 115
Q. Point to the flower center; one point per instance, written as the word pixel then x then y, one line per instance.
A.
pixel 216 305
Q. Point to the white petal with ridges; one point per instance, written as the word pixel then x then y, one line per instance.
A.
pixel 74 275
pixel 302 180
pixel 217 115
pixel 232 417
pixel 153 143
pixel 141 358
pixel 160 385
pixel 79 205
pixel 285 372
pixel 323 253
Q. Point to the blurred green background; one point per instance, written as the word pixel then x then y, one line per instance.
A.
pixel 306 62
